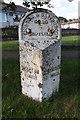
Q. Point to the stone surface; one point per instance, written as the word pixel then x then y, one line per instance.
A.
pixel 40 53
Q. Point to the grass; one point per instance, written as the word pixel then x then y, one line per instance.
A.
pixel 71 40
pixel 62 104
pixel 14 45
pixel 10 45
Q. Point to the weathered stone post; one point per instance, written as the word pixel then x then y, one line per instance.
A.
pixel 40 53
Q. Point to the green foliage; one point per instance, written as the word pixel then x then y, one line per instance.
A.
pixel 62 18
pixel 11 6
pixel 70 20
pixel 74 40
pixel 27 4
pixel 36 3
pixel 63 104
pixel 10 45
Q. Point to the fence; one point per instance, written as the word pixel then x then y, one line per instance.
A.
pixel 12 33
pixel 69 32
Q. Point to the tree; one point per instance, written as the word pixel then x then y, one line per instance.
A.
pixel 70 0
pixel 11 6
pixel 62 18
pixel 36 3
pixel 70 20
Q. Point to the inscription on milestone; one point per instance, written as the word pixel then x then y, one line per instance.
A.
pixel 39 25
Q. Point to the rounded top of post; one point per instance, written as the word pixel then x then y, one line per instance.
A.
pixel 40 24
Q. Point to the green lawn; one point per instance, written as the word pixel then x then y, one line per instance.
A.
pixel 71 40
pixel 62 104
pixel 14 45
pixel 10 45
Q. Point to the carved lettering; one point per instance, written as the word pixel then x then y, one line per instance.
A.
pixel 40 34
pixel 31 72
pixel 51 69
pixel 41 22
pixel 43 15
pixel 37 15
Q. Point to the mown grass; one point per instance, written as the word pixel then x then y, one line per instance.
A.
pixel 14 45
pixel 74 40
pixel 10 45
pixel 63 104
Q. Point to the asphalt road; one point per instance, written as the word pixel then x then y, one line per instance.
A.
pixel 64 54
